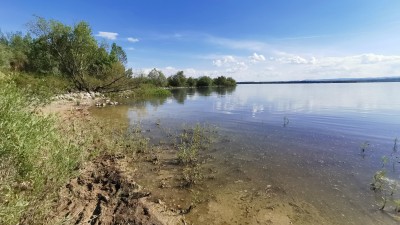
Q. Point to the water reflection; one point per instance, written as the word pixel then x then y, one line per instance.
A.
pixel 181 94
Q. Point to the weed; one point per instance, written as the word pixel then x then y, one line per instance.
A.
pixel 385 188
pixel 285 121
pixel 191 175
pixel 191 141
pixel 364 147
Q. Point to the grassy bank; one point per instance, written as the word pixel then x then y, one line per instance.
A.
pixel 40 153
pixel 35 158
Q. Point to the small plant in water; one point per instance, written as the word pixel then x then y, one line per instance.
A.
pixel 285 121
pixel 385 188
pixel 191 141
pixel 191 175
pixel 364 147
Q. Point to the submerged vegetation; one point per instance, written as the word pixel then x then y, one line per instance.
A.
pixel 387 189
pixel 190 144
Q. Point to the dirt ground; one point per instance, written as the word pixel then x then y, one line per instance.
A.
pixel 104 193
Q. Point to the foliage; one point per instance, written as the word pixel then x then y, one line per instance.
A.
pixel 41 88
pixel 54 48
pixel 5 57
pixel 223 81
pixel 177 80
pixel 157 78
pixel 191 82
pixel 204 81
pixel 191 141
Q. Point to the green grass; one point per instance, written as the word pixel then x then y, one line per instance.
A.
pixel 42 88
pixel 39 154
pixel 35 159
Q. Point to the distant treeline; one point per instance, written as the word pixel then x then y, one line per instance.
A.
pixel 348 80
pixel 72 54
pixel 158 78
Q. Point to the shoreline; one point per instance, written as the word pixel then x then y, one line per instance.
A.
pixel 112 195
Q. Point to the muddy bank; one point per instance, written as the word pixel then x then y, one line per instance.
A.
pixel 105 193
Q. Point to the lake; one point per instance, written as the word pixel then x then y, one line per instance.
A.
pixel 285 153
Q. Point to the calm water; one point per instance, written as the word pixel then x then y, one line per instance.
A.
pixel 304 138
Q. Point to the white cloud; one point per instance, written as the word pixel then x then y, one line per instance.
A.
pixel 224 61
pixel 256 58
pixel 230 64
pixel 131 48
pixel 373 58
pixel 170 68
pixel 107 35
pixel 133 40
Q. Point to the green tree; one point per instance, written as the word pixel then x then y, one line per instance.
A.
pixel 177 80
pixel 78 56
pixel 191 82
pixel 157 78
pixel 230 82
pixel 118 54
pixel 204 81
pixel 5 56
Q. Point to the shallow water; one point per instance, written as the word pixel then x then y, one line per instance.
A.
pixel 303 139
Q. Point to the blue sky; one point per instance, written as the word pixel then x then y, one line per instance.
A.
pixel 248 40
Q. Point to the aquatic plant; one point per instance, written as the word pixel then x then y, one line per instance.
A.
pixel 191 175
pixel 191 141
pixel 384 187
pixel 285 121
pixel 364 147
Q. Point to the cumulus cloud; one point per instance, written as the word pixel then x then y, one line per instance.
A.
pixel 256 58
pixel 230 64
pixel 288 58
pixel 133 40
pixel 224 61
pixel 107 35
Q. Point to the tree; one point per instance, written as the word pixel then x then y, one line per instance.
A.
pixel 223 81
pixel 177 80
pixel 191 82
pixel 20 46
pixel 77 55
pixel 5 56
pixel 230 82
pixel 118 54
pixel 204 81
pixel 157 78
pixel 220 81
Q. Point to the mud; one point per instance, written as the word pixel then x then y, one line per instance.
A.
pixel 105 193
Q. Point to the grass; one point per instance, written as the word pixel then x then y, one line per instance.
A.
pixel 35 159
pixel 39 154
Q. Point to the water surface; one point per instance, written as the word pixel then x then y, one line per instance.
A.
pixel 303 138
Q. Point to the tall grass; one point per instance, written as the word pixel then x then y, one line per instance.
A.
pixel 34 157
pixel 39 154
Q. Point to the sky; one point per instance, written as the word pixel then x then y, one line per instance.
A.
pixel 255 40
